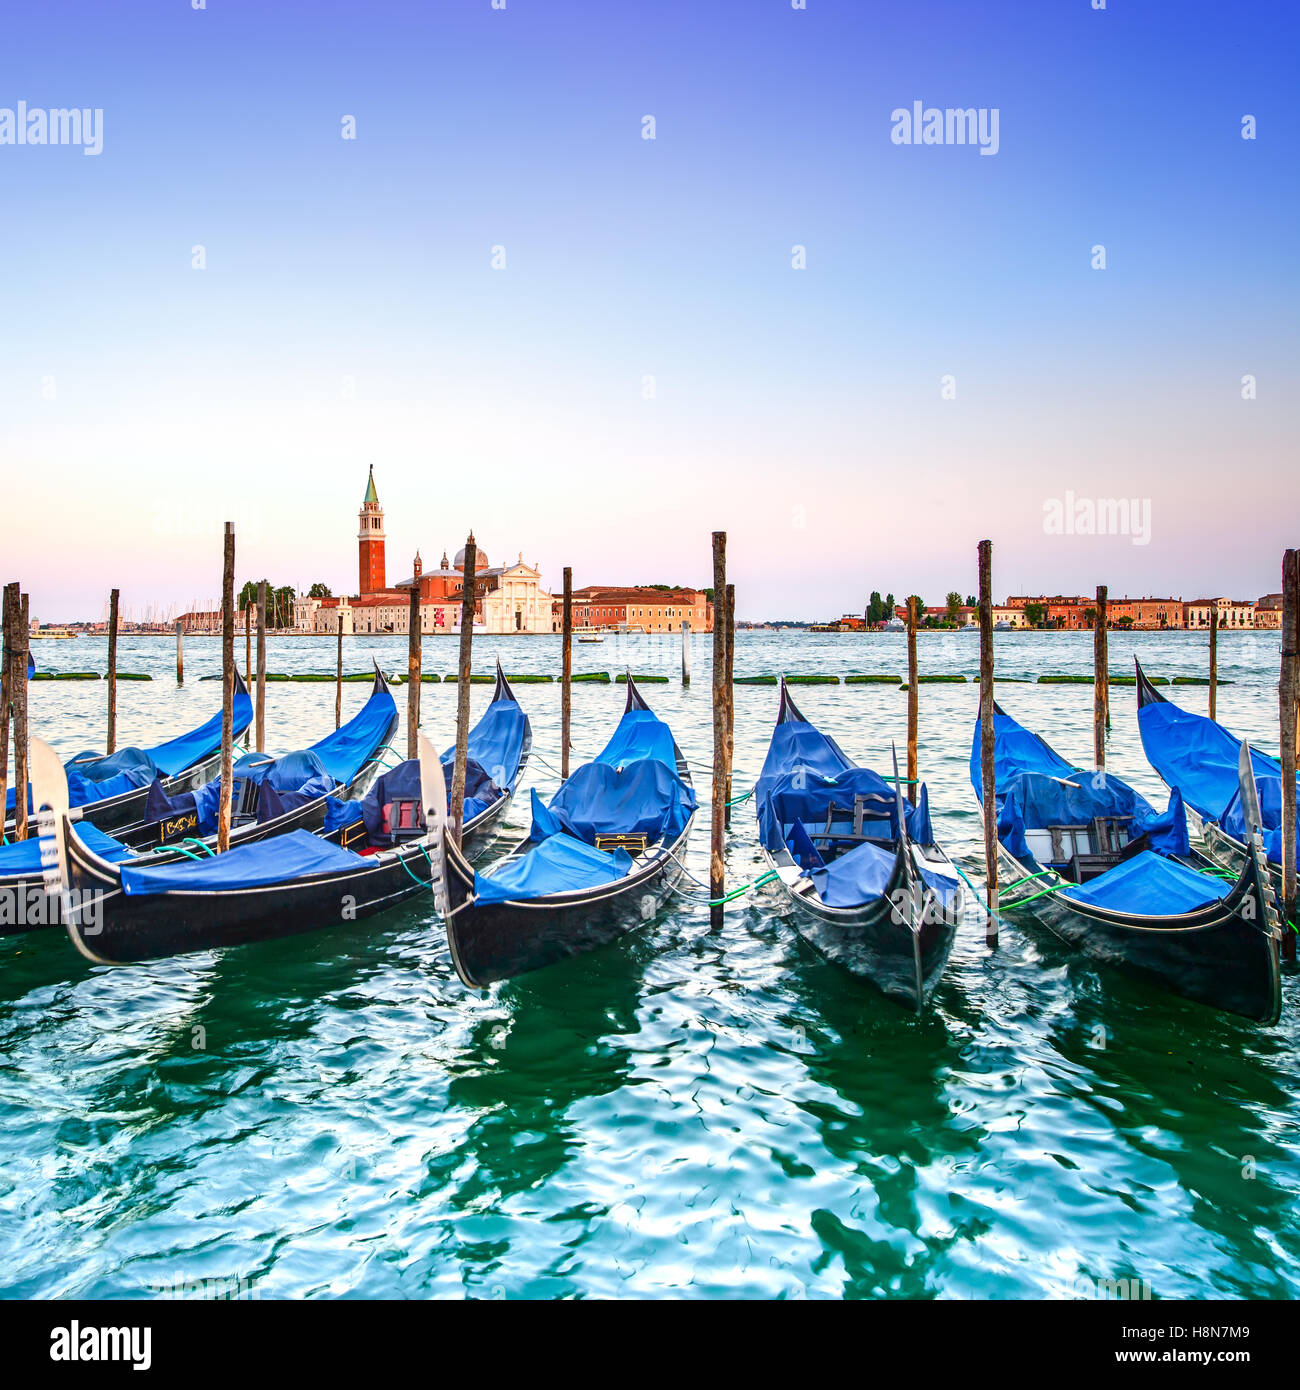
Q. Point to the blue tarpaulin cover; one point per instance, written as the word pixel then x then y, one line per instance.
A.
pixel 348 749
pixel 1037 788
pixel 496 746
pixel 1149 885
pixel 559 864
pixel 277 860
pixel 287 783
pixel 1200 757
pixel 857 876
pixel 806 772
pixel 632 787
pixel 93 777
pixel 24 856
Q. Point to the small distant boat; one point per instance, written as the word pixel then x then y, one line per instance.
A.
pixel 1000 626
pixel 591 637
pixel 49 633
pixel 862 876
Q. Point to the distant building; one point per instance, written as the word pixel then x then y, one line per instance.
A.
pixel 1146 614
pixel 1233 613
pixel 195 622
pixel 641 609
pixel 507 598
pixel 1268 611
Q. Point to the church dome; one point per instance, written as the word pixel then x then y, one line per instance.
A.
pixel 481 561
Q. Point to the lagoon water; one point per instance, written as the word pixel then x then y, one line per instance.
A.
pixel 688 1113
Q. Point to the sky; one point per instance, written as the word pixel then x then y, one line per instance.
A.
pixel 596 348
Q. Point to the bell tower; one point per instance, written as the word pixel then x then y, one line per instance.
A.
pixel 370 539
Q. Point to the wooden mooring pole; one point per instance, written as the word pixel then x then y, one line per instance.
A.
pixel 248 644
pixel 913 700
pixel 717 872
pixel 462 690
pixel 338 679
pixel 566 672
pixel 227 687
pixel 729 691
pixel 987 779
pixel 686 655
pixel 7 674
pixel 261 662
pixel 1100 682
pixel 180 652
pixel 112 670
pixel 1214 660
pixel 1288 695
pixel 18 689
pixel 413 671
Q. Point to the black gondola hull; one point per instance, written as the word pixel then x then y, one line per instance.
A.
pixel 1225 956
pixel 501 940
pixel 876 944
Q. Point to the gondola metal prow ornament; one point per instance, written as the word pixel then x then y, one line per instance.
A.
pixel 433 792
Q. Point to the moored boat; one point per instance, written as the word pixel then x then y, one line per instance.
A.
pixel 1199 757
pixel 860 873
pixel 371 854
pixel 112 789
pixel 269 796
pixel 599 860
pixel 1093 861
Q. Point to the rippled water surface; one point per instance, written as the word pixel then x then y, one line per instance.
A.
pixel 687 1113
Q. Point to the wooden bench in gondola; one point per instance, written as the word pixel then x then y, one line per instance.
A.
pixel 859 814
pixel 634 844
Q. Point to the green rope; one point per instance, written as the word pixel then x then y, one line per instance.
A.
pixel 735 892
pixel 1033 897
pixel 418 881
pixel 198 844
pixel 736 801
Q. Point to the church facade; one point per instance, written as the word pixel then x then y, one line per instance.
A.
pixel 507 598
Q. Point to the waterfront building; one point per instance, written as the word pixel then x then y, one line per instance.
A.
pixel 1233 613
pixel 1145 614
pixel 1268 612
pixel 639 608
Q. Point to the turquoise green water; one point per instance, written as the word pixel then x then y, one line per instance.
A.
pixel 688 1113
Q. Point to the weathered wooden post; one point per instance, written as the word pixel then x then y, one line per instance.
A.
pixel 717 872
pixel 987 779
pixel 112 671
pixel 338 679
pixel 913 700
pixel 180 652
pixel 248 643
pixel 1214 660
pixel 413 671
pixel 462 692
pixel 261 662
pixel 1100 681
pixel 566 672
pixel 686 654
pixel 228 688
pixel 729 690
pixel 1288 693
pixel 18 693
pixel 6 690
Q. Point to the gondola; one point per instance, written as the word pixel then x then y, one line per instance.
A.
pixel 1094 862
pixel 269 796
pixel 111 790
pixel 599 860
pixel 859 873
pixel 1199 757
pixel 371 854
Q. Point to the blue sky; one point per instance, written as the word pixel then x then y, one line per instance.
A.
pixel 349 312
